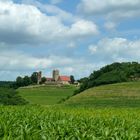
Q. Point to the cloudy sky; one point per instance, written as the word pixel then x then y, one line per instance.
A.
pixel 74 36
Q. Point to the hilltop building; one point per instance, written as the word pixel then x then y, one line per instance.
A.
pixel 39 77
pixel 64 80
pixel 55 79
pixel 55 75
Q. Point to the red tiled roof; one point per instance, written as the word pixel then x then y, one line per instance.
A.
pixel 49 79
pixel 64 78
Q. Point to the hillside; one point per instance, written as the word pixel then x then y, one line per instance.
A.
pixel 114 95
pixel 113 73
pixel 47 95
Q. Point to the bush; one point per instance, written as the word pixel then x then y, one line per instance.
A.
pixel 9 96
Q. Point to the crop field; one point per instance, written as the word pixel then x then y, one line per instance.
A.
pixel 47 95
pixel 115 95
pixel 56 123
pixel 110 112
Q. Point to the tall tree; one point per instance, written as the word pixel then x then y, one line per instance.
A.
pixel 19 81
pixel 34 78
pixel 27 80
pixel 72 79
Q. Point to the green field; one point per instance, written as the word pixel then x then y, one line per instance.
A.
pixel 46 95
pixel 61 123
pixel 110 112
pixel 115 95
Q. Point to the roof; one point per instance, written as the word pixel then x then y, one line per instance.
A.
pixel 49 79
pixel 64 78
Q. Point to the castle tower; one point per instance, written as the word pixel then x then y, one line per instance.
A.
pixel 39 77
pixel 55 75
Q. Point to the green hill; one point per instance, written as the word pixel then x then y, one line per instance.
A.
pixel 113 73
pixel 46 95
pixel 114 95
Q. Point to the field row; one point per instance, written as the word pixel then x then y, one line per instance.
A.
pixel 43 123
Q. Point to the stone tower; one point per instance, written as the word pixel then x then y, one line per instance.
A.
pixel 55 75
pixel 39 77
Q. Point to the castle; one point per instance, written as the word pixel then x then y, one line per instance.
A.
pixel 55 79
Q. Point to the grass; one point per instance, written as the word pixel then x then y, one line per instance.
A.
pixel 110 112
pixel 47 95
pixel 62 123
pixel 115 95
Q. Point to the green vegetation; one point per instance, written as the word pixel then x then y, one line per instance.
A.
pixel 7 84
pixel 46 95
pixel 114 95
pixel 55 123
pixel 114 73
pixel 106 112
pixel 9 96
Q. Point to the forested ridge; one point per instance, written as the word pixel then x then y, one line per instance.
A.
pixel 113 73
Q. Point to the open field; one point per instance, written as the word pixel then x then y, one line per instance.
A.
pixel 110 112
pixel 115 95
pixel 55 123
pixel 46 95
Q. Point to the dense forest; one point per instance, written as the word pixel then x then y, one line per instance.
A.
pixel 113 73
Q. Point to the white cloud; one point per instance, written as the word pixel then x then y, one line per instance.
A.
pixel 81 27
pixel 116 49
pixel 21 23
pixel 113 9
pixel 51 10
pixel 110 25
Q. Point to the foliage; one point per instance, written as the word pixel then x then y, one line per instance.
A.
pixel 54 123
pixel 34 77
pixel 114 73
pixel 72 79
pixel 9 96
pixel 7 84
pixel 26 80
pixel 43 80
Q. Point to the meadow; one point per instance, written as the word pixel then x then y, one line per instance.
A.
pixel 113 95
pixel 46 95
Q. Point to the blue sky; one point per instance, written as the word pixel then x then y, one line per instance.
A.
pixel 76 37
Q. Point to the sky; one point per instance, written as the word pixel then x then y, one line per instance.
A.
pixel 74 36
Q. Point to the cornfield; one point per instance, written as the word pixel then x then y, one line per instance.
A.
pixel 64 123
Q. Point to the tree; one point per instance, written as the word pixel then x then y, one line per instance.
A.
pixel 27 81
pixel 34 78
pixel 113 73
pixel 72 79
pixel 19 81
pixel 43 80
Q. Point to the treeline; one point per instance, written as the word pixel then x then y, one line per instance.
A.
pixel 6 84
pixel 28 80
pixel 9 96
pixel 114 73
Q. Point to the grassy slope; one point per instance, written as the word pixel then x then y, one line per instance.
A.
pixel 46 95
pixel 115 95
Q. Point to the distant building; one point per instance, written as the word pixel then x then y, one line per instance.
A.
pixel 55 75
pixel 49 79
pixel 39 77
pixel 57 79
pixel 64 80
